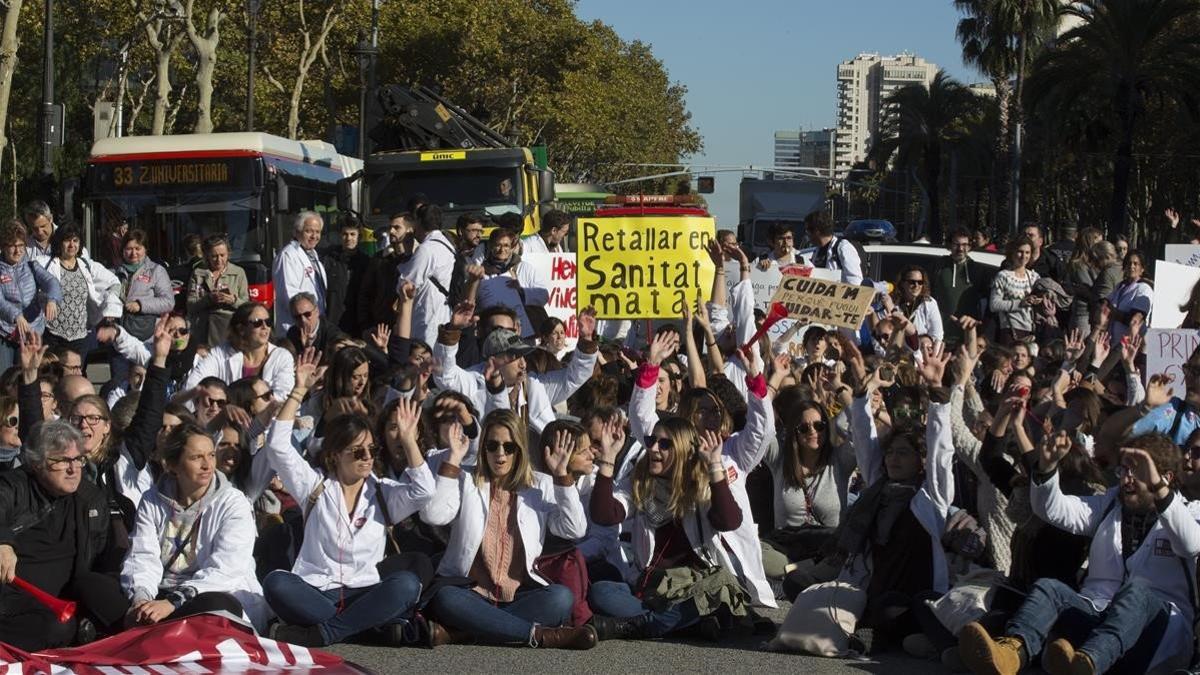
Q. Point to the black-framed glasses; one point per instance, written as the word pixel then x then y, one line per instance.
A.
pixel 661 443
pixel 260 323
pixel 508 447
pixel 90 420
pixel 809 427
pixel 59 463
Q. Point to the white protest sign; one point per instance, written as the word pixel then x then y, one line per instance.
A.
pixel 1184 254
pixel 1173 284
pixel 560 269
pixel 1168 350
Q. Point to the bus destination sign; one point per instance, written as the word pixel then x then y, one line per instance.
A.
pixel 182 174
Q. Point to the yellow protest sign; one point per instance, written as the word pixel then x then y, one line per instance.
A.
pixel 644 267
pixel 824 302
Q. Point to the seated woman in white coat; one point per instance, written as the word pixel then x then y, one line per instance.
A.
pixel 682 507
pixel 189 551
pixel 334 590
pixel 891 538
pixel 501 515
pixel 248 351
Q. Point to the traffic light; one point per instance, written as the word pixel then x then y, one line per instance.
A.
pixel 705 185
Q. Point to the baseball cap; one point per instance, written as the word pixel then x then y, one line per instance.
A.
pixel 504 341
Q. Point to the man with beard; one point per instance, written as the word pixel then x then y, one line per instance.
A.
pixel 376 297
pixel 1134 610
pixel 509 282
pixel 429 270
pixel 959 285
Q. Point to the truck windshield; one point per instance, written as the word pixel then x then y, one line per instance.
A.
pixel 495 190
pixel 168 217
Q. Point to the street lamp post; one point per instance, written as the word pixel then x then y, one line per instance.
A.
pixel 365 52
pixel 48 90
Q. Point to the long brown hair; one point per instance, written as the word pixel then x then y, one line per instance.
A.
pixel 686 475
pixel 793 473
pixel 898 291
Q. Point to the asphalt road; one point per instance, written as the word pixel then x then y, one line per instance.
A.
pixel 739 652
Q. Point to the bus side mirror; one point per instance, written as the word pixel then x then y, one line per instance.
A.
pixel 281 195
pixel 345 192
pixel 545 186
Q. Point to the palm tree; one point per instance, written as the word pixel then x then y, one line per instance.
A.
pixel 1130 55
pixel 921 125
pixel 996 37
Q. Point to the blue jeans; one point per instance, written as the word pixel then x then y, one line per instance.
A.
pixel 387 602
pixel 613 598
pixel 505 622
pixel 1127 631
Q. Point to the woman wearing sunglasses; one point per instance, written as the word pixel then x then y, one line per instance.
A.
pixel 911 298
pixel 190 544
pixel 248 351
pixel 335 589
pixel 682 508
pixel 10 433
pixel 745 448
pixel 502 513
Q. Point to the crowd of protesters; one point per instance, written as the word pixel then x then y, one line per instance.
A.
pixel 415 456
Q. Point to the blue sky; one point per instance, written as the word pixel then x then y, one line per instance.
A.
pixel 755 66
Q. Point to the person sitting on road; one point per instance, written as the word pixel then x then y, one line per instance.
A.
pixel 248 351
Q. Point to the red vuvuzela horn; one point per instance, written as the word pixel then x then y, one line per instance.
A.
pixel 63 609
pixel 777 313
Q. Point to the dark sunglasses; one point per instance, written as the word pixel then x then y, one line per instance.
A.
pixel 265 397
pixel 362 452
pixel 260 323
pixel 809 427
pixel 508 447
pixel 915 282
pixel 182 330
pixel 219 402
pixel 12 422
pixel 662 443
pixel 305 315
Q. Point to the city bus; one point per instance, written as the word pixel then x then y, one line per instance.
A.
pixel 245 185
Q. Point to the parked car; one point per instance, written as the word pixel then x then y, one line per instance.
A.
pixel 865 230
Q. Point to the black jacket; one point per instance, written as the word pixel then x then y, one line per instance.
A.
pixel 24 503
pixel 344 272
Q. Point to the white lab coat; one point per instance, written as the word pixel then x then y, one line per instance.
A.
pixel 225 362
pixel 432 261
pixel 743 451
pixel 223 544
pixel 544 391
pixel 341 549
pixel 543 507
pixel 1165 563
pixel 294 272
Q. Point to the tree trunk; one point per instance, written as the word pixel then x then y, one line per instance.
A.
pixel 1122 168
pixel 1014 196
pixel 9 42
pixel 313 46
pixel 206 63
pixel 998 194
pixel 163 50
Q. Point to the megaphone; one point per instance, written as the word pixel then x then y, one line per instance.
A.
pixel 63 609
pixel 776 314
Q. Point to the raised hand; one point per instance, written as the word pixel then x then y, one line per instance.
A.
pixel 558 455
pixel 381 336
pixel 1172 218
pixel 464 315
pixel 933 366
pixel 307 369
pixel 474 272
pixel 715 253
pixel 162 339
pixel 237 417
pixel 1102 349
pixel 1142 465
pixel 407 414
pixel 612 439
pixel 1075 345
pixel 459 444
pixel 1130 348
pixel 662 345
pixel 710 450
pixel 33 352
pixel 408 291
pixel 492 375
pixel 587 323
pixel 1159 390
pixel 1055 446
pixel 964 365
pixel 734 251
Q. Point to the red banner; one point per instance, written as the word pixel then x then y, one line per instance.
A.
pixel 205 643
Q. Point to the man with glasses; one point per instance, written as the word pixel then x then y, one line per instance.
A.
pixel 53 529
pixel 211 396
pixel 310 330
pixel 960 286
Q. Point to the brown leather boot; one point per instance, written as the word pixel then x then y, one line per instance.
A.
pixel 440 634
pixel 1060 658
pixel 985 656
pixel 583 637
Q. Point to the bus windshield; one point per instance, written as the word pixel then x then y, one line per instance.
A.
pixel 495 190
pixel 167 218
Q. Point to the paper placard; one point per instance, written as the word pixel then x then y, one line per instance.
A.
pixel 563 296
pixel 1168 350
pixel 824 302
pixel 1173 284
pixel 1183 254
pixel 644 267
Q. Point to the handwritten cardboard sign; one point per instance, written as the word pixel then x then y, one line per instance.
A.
pixel 1167 350
pixel 824 302
pixel 563 297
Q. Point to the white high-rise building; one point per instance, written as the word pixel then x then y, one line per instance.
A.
pixel 863 83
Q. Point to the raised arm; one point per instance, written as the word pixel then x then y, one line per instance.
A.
pixel 142 433
pixel 696 375
pixel 442 509
pixel 746 447
pixel 299 478
pixel 643 414
pixel 568 520
pixel 560 384
pixel 939 444
pixel 408 497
